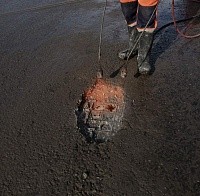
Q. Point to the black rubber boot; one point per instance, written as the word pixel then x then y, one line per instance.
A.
pixel 144 50
pixel 133 35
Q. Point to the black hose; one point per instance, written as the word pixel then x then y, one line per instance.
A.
pixel 178 21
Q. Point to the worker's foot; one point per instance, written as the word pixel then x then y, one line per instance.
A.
pixel 126 54
pixel 145 67
pixel 144 50
pixel 130 52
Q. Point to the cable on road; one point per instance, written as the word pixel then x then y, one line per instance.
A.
pixel 177 21
pixel 177 29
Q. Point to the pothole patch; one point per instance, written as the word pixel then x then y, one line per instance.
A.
pixel 100 111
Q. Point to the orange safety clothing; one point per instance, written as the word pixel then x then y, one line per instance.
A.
pixel 138 12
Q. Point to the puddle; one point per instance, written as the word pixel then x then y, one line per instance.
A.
pixel 100 111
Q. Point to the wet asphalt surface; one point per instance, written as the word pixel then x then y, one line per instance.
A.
pixel 48 58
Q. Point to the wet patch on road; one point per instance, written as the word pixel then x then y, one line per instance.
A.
pixel 100 111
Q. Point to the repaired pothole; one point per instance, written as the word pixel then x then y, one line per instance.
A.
pixel 100 111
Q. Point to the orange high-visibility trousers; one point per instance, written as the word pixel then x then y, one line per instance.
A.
pixel 138 12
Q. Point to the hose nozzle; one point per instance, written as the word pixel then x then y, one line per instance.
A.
pixel 100 74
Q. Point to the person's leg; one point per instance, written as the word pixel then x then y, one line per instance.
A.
pixel 129 10
pixel 145 11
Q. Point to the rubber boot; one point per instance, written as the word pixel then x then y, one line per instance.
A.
pixel 133 35
pixel 144 50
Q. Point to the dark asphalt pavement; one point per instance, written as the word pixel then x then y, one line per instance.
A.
pixel 48 58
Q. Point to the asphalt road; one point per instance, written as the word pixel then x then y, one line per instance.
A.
pixel 48 58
